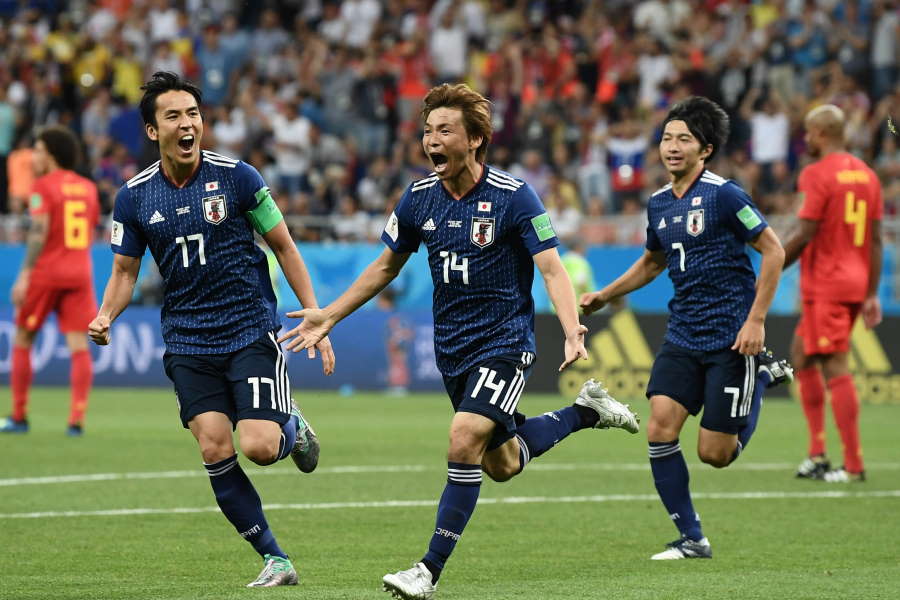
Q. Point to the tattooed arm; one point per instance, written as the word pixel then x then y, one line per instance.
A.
pixel 34 244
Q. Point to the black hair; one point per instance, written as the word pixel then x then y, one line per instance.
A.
pixel 160 83
pixel 704 119
pixel 62 145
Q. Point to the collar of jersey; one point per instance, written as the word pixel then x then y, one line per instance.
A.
pixel 187 183
pixel 471 190
pixel 688 188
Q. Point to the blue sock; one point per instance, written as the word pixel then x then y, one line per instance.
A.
pixel 456 506
pixel 539 434
pixel 746 433
pixel 241 505
pixel 671 477
pixel 288 437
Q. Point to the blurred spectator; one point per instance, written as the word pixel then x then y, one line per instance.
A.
pixel 884 47
pixel 20 175
pixel 290 132
pixel 7 137
pixel 217 67
pixel 769 137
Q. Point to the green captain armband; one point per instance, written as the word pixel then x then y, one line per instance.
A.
pixel 266 214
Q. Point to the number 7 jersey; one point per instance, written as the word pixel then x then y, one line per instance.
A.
pixel 703 235
pixel 480 250
pixel 218 293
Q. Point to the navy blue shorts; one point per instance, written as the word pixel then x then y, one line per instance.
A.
pixel 492 389
pixel 250 383
pixel 719 382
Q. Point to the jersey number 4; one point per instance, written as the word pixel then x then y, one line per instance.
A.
pixel 855 214
pixel 183 242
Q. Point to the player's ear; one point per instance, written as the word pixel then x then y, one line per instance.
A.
pixel 151 132
pixel 475 142
pixel 706 151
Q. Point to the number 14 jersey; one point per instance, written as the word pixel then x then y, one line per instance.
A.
pixel 480 250
pixel 218 293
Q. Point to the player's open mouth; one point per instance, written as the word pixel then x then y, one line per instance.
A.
pixel 439 161
pixel 186 143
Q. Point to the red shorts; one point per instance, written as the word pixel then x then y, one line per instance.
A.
pixel 75 307
pixel 825 326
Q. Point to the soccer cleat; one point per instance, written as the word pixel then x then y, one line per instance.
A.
pixel 612 413
pixel 841 475
pixel 305 453
pixel 411 584
pixel 75 430
pixel 277 571
pixel 685 548
pixel 10 425
pixel 779 371
pixel 813 467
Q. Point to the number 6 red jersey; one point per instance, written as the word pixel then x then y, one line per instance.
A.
pixel 71 202
pixel 843 195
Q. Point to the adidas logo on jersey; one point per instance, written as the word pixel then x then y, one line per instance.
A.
pixel 156 218
pixel 429 225
pixel 662 223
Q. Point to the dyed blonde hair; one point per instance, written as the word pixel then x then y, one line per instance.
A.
pixel 475 108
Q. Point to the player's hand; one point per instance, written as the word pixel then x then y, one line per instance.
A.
pixel 309 332
pixel 574 347
pixel 871 312
pixel 99 330
pixel 591 302
pixel 750 338
pixel 324 346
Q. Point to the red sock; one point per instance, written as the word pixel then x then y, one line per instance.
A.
pixel 81 375
pixel 20 381
pixel 812 397
pixel 845 406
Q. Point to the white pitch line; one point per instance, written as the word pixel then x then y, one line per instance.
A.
pixel 358 469
pixel 775 495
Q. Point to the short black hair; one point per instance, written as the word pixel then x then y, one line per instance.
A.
pixel 62 145
pixel 160 83
pixel 704 119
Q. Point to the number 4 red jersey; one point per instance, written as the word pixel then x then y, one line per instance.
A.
pixel 843 195
pixel 71 202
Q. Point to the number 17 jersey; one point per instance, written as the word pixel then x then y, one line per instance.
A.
pixel 480 250
pixel 218 294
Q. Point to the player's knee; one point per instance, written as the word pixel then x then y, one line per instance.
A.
pixel 260 450
pixel 717 458
pixel 660 431
pixel 213 452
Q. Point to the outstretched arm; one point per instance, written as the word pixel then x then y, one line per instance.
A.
pixel 279 240
pixel 559 288
pixel 802 234
pixel 116 297
pixel 643 271
pixel 751 337
pixel 317 322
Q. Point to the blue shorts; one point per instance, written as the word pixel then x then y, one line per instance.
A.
pixel 719 382
pixel 492 389
pixel 250 383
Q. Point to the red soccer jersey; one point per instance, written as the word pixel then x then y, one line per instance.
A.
pixel 843 195
pixel 71 202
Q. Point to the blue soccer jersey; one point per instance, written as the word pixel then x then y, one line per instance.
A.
pixel 480 250
pixel 218 294
pixel 704 235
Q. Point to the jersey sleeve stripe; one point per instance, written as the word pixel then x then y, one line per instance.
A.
pixel 504 177
pixel 219 163
pixel 222 157
pixel 500 184
pixel 138 179
pixel 665 188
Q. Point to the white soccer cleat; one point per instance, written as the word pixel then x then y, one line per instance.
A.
pixel 612 413
pixel 411 584
pixel 685 548
pixel 841 475
pixel 276 571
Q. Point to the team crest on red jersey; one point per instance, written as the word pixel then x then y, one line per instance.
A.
pixel 482 231
pixel 695 222
pixel 214 210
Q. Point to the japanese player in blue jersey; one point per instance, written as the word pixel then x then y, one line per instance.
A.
pixel 698 228
pixel 485 231
pixel 197 212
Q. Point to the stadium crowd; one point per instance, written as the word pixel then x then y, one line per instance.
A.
pixel 322 96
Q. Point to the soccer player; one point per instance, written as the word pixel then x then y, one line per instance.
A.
pixel 197 211
pixel 698 228
pixel 484 230
pixel 56 273
pixel 838 241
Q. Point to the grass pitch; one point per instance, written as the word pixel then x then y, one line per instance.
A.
pixel 126 512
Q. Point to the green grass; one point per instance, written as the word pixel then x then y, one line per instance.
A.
pixel 575 539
